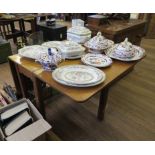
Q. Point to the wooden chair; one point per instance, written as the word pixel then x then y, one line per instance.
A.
pixel 12 29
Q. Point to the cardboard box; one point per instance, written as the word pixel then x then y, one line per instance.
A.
pixel 31 132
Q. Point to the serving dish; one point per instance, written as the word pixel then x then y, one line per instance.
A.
pixel 125 51
pixel 77 38
pixel 139 54
pixel 52 44
pixel 96 60
pixel 69 49
pixel 98 43
pixel 78 34
pixel 78 75
pixel 79 30
pixel 32 51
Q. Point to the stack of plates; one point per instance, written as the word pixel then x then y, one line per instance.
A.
pixel 78 75
pixel 96 60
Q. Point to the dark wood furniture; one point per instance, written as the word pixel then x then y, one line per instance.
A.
pixel 55 32
pixel 29 68
pixel 118 30
pixel 10 31
pixel 5 51
pixel 96 20
pixel 48 136
pixel 30 18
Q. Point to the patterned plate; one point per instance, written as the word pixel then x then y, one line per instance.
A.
pixel 78 75
pixel 96 60
pixel 32 51
pixel 139 53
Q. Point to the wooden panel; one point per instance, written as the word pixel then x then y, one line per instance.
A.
pixel 151 27
pixel 118 30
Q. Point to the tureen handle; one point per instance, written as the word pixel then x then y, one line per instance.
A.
pixel 99 34
pixel 126 40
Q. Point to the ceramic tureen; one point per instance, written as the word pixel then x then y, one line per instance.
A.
pixel 98 43
pixel 124 50
pixel 70 49
pixel 78 34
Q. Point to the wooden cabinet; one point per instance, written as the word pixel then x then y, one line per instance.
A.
pixel 56 32
pixel 118 30
pixel 5 51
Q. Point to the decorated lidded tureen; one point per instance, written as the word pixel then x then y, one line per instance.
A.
pixel 78 34
pixel 98 43
pixel 70 49
pixel 124 49
pixel 79 30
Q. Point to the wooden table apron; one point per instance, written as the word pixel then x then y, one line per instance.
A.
pixel 22 66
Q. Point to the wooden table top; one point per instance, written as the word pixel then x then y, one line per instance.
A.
pixel 118 26
pixel 56 26
pixel 28 64
pixel 113 73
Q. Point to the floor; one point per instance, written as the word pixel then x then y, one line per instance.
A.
pixel 130 114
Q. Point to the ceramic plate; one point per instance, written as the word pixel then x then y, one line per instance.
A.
pixel 81 86
pixel 96 60
pixel 32 51
pixel 78 75
pixel 139 53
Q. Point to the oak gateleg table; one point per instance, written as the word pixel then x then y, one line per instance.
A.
pixel 29 68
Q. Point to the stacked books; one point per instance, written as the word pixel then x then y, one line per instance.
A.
pixel 2 101
pixel 10 92
pixel 15 119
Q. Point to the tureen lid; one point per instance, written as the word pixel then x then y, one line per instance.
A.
pixel 124 46
pixel 79 30
pixel 99 42
pixel 70 46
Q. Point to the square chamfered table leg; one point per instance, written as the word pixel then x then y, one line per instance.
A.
pixel 102 103
pixel 38 93
pixel 14 71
